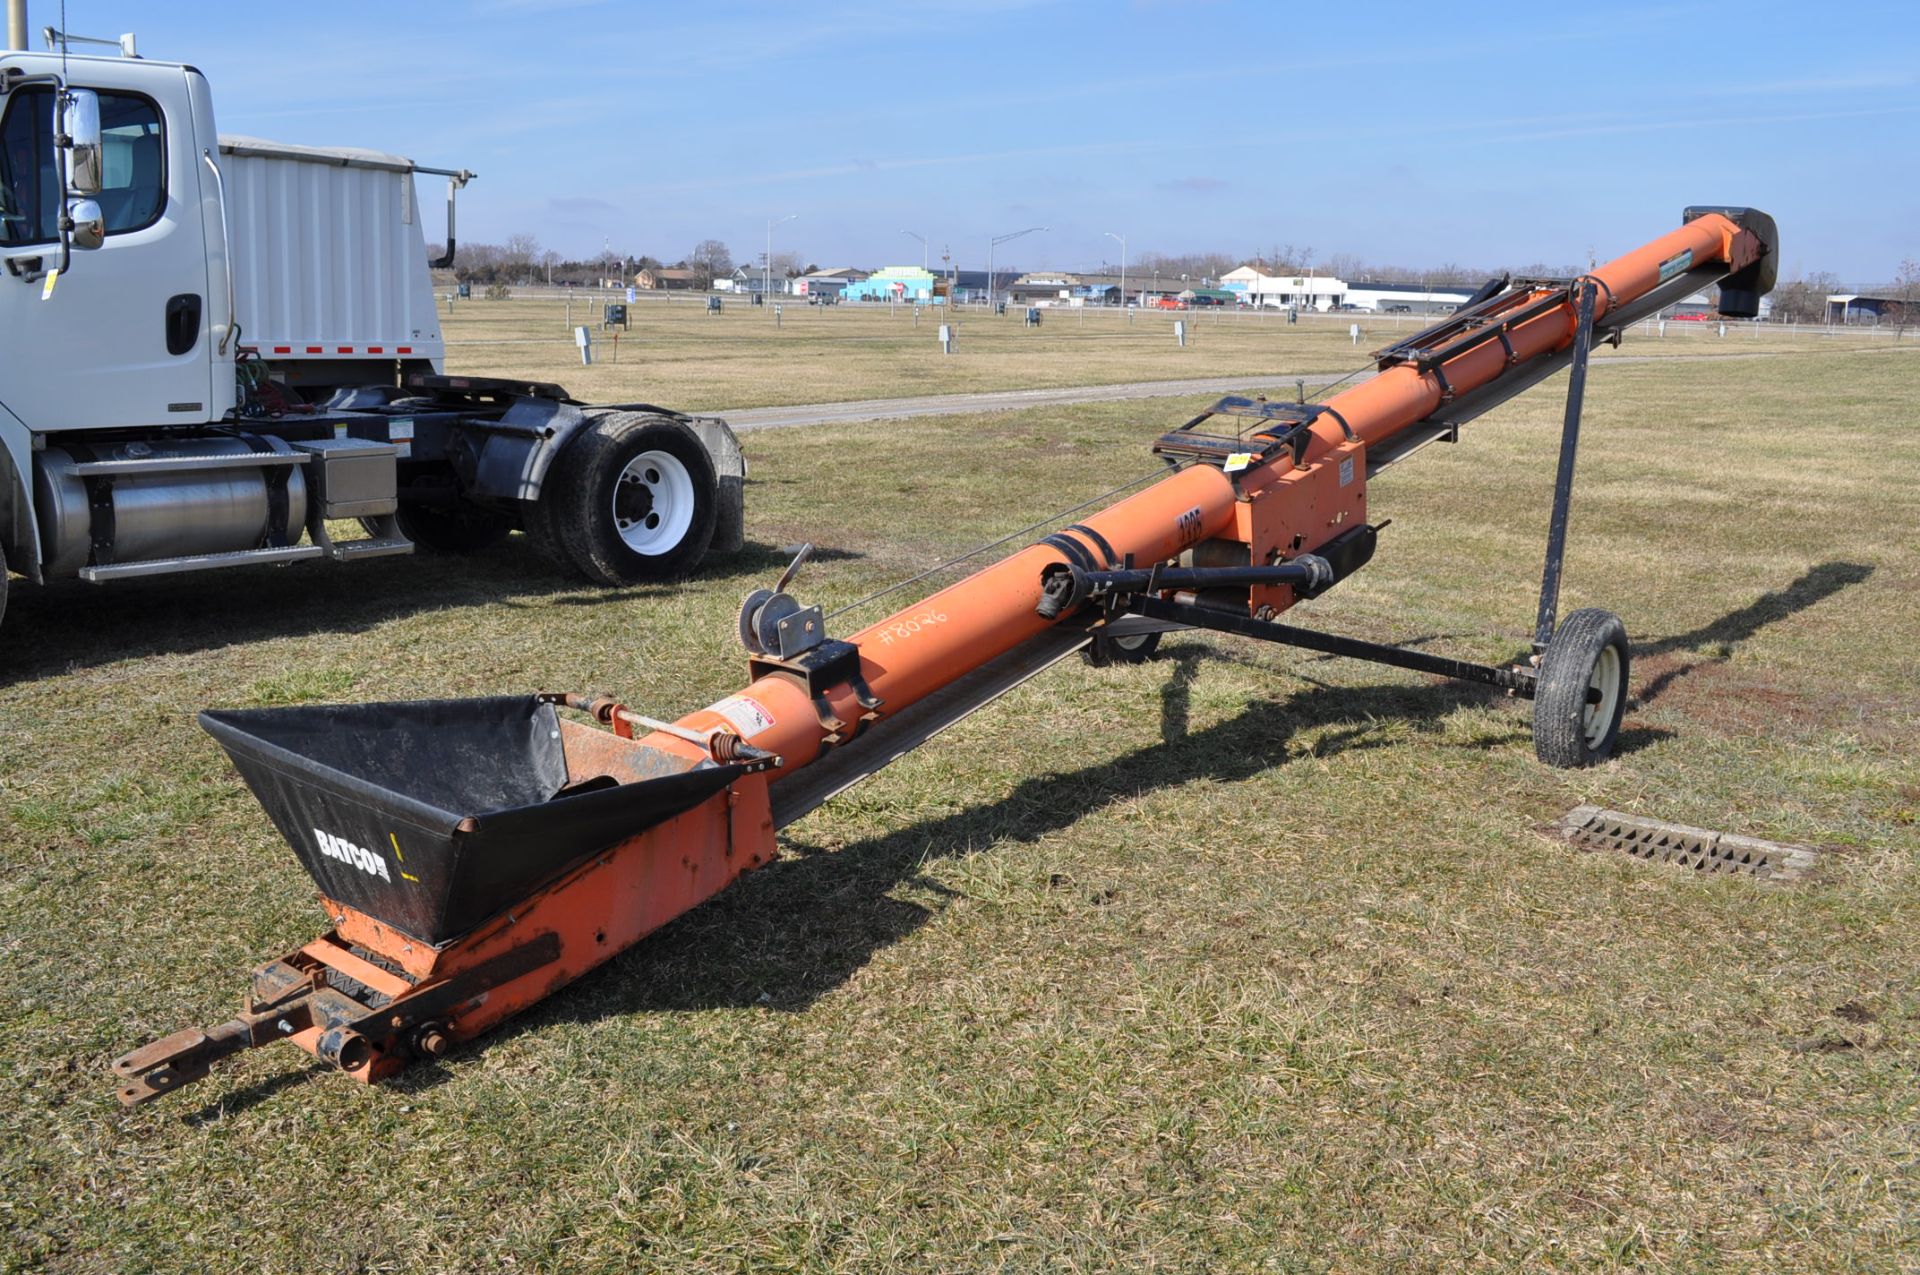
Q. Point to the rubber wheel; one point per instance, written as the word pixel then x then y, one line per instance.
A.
pixel 632 498
pixel 541 526
pixel 3 584
pixel 359 990
pixel 1104 652
pixel 1589 650
pixel 459 529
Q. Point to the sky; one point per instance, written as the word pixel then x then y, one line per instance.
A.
pixel 1417 135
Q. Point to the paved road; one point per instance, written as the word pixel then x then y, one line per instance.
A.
pixel 875 409
pixel 878 409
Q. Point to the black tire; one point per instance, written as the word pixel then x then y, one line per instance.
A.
pixel 538 521
pixel 632 498
pixel 3 584
pixel 1104 651
pixel 456 529
pixel 1588 650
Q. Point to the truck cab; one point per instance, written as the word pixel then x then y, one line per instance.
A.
pixel 125 336
pixel 221 350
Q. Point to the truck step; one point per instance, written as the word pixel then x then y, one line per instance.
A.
pixel 375 547
pixel 198 562
pixel 183 464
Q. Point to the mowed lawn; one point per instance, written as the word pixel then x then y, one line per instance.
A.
pixel 674 353
pixel 1240 960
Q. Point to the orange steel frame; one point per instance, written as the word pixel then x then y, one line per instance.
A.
pixel 1273 510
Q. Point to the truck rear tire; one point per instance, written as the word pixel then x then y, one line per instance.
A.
pixel 3 584
pixel 632 498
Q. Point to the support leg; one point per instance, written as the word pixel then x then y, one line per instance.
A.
pixel 1563 480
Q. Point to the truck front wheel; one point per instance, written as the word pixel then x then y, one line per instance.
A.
pixel 631 499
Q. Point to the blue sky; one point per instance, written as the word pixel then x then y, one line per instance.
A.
pixel 1415 134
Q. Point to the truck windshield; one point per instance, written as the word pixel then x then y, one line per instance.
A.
pixel 134 189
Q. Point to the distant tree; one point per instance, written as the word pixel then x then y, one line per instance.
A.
pixel 518 254
pixel 1344 265
pixel 709 261
pixel 477 262
pixel 1906 293
pixel 1805 300
pixel 1196 265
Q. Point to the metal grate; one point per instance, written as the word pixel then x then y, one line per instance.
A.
pixel 1702 849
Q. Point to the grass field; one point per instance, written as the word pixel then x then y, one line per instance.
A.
pixel 676 354
pixel 1241 960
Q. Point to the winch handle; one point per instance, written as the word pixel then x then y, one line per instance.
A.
pixel 799 560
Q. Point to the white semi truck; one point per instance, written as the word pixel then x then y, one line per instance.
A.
pixel 214 347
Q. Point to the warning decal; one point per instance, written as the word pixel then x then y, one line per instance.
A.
pixel 748 715
pixel 1678 263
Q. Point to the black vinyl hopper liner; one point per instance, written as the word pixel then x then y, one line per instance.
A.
pixel 433 815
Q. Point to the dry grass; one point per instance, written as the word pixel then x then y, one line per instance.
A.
pixel 1241 960
pixel 675 353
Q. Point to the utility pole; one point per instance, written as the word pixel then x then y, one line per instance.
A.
pixel 1123 266
pixel 995 242
pixel 766 269
pixel 914 234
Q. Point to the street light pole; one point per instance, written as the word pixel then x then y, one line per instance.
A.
pixel 923 247
pixel 1123 266
pixel 995 242
pixel 766 267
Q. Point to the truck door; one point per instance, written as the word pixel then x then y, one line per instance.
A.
pixel 122 338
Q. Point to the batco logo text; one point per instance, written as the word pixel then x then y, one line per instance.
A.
pixel 359 856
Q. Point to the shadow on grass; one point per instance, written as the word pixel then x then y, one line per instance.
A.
pixel 73 625
pixel 253 1095
pixel 790 933
pixel 784 936
pixel 1735 627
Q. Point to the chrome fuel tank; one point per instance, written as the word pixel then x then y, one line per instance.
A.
pixel 163 499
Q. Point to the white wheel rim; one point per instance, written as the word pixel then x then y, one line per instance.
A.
pixel 653 503
pixel 1598 717
pixel 1133 642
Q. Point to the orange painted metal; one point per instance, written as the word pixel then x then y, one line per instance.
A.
pixel 599 909
pixel 916 651
pixel 1266 512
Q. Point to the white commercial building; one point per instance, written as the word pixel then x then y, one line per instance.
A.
pixel 1308 291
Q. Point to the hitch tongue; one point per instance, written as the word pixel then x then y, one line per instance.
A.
pixel 164 1065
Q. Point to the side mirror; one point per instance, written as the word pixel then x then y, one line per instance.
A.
pixel 89 224
pixel 80 124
